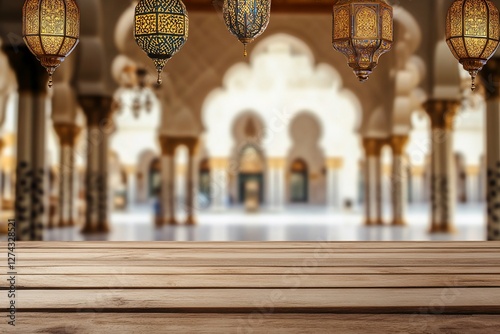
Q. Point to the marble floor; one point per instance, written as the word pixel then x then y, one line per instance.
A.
pixel 292 224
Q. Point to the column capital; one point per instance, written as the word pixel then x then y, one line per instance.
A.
pixel 490 75
pixel 417 170
pixel 30 74
pixel 276 163
pixel 219 163
pixel 170 143
pixel 441 112
pixel 334 163
pixel 473 170
pixel 398 144
pixel 68 133
pixel 373 146
pixel 97 109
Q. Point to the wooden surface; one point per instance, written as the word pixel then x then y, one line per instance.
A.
pixel 120 287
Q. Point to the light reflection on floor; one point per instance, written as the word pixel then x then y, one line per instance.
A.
pixel 294 224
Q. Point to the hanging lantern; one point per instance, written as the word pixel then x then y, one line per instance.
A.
pixel 51 29
pixel 161 29
pixel 246 19
pixel 362 31
pixel 472 33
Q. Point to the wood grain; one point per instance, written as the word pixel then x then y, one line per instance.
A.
pixel 298 287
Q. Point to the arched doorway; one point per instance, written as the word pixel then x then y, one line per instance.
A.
pixel 299 182
pixel 154 179
pixel 251 175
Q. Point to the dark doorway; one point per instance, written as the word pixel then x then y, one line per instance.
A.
pixel 244 179
pixel 299 187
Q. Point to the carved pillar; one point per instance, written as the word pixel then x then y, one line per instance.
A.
pixel 417 184
pixel 31 201
pixel 373 180
pixel 167 196
pixel 399 179
pixel 491 78
pixel 100 125
pixel 276 183
pixel 68 133
pixel 192 182
pixel 333 185
pixel 219 183
pixel 442 113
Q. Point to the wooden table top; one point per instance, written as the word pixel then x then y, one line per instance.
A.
pixel 274 287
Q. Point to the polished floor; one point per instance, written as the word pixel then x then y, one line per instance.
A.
pixel 292 224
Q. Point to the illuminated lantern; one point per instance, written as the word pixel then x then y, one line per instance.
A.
pixel 362 31
pixel 51 30
pixel 161 29
pixel 472 33
pixel 246 19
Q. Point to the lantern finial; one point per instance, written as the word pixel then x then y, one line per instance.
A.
pixel 362 31
pixel 472 33
pixel 246 19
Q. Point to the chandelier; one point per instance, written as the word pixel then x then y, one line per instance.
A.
pixel 472 33
pixel 246 19
pixel 362 31
pixel 161 29
pixel 51 29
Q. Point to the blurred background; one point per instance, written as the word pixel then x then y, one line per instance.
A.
pixel 284 144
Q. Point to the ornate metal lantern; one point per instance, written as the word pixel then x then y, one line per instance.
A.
pixel 51 30
pixel 161 29
pixel 472 33
pixel 362 31
pixel 246 19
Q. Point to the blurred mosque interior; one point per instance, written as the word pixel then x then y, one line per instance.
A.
pixel 285 144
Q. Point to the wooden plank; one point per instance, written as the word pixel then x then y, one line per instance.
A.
pixel 321 250
pixel 263 262
pixel 113 269
pixel 73 281
pixel 260 322
pixel 152 255
pixel 450 300
pixel 260 245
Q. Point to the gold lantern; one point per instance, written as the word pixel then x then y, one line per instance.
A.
pixel 362 31
pixel 161 29
pixel 246 19
pixel 472 33
pixel 51 29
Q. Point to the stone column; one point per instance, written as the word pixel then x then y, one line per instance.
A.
pixel 31 201
pixel 441 113
pixel 167 196
pixel 98 110
pixel 491 78
pixel 192 182
pixel 399 179
pixel 333 185
pixel 2 179
pixel 373 180
pixel 219 178
pixel 276 183
pixel 473 184
pixel 68 134
pixel 417 184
